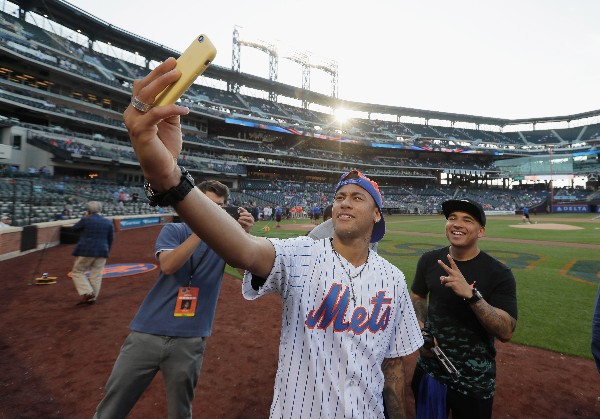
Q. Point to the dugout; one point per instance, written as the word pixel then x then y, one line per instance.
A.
pixel 68 235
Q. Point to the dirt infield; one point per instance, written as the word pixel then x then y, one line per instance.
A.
pixel 55 357
pixel 547 226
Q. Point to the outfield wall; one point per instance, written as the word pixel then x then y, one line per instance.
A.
pixel 499 212
pixel 17 241
pixel 575 208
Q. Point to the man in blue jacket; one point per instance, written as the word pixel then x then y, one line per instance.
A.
pixel 91 252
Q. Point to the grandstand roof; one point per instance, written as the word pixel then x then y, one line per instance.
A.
pixel 94 28
pixel 76 19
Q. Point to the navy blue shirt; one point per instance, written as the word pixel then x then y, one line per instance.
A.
pixel 205 268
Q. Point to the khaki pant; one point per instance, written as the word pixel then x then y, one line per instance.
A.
pixel 83 284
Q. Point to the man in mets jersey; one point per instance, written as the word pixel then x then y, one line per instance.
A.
pixel 347 317
pixel 347 321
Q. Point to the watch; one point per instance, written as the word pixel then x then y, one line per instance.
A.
pixel 476 297
pixel 173 195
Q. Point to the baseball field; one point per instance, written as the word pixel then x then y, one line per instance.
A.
pixel 555 261
pixel 55 357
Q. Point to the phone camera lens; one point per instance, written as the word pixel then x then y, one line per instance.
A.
pixel 201 38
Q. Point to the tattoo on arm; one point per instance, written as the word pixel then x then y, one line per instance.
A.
pixel 393 388
pixel 420 306
pixel 497 322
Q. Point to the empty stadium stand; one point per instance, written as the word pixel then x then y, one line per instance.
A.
pixel 61 104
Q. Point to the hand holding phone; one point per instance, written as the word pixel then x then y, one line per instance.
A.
pixel 192 63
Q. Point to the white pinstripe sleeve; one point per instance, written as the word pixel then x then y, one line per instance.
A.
pixel 282 274
pixel 406 333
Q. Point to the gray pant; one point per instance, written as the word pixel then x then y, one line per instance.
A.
pixel 141 356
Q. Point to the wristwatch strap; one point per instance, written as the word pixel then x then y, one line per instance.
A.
pixel 476 297
pixel 173 195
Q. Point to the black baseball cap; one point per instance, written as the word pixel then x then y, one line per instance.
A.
pixel 466 205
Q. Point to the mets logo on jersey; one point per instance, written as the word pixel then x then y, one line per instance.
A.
pixel 332 312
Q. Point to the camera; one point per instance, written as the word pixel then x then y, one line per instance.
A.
pixel 233 211
pixel 429 343
pixel 428 338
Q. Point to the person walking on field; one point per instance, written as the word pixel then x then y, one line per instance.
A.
pixel 347 320
pixel 278 215
pixel 170 330
pixel 91 252
pixel 526 218
pixel 464 299
pixel 315 214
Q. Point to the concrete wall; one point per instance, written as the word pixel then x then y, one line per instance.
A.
pixel 48 234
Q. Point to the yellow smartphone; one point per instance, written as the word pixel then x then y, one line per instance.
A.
pixel 194 60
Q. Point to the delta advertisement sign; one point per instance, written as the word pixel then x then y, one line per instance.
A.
pixel 138 222
pixel 557 209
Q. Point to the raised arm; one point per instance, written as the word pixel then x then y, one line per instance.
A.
pixel 157 139
pixel 172 260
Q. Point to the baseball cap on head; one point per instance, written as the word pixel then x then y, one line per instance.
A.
pixel 466 205
pixel 354 177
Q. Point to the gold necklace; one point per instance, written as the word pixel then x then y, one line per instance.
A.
pixel 350 276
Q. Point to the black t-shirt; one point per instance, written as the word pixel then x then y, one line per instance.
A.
pixel 460 335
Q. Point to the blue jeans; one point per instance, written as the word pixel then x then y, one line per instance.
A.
pixel 596 332
pixel 461 406
pixel 142 356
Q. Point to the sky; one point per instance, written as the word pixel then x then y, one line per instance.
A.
pixel 506 59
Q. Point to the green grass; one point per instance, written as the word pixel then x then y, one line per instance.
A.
pixel 556 283
pixel 497 227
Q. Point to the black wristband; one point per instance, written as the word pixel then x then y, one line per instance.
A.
pixel 476 297
pixel 173 195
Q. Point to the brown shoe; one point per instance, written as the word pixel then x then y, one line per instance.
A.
pixel 86 298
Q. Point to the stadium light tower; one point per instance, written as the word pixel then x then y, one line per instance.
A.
pixel 330 67
pixel 268 48
pixel 302 58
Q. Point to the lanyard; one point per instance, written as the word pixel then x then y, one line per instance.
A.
pixel 193 268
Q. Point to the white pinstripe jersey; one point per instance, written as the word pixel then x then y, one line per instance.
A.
pixel 331 350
